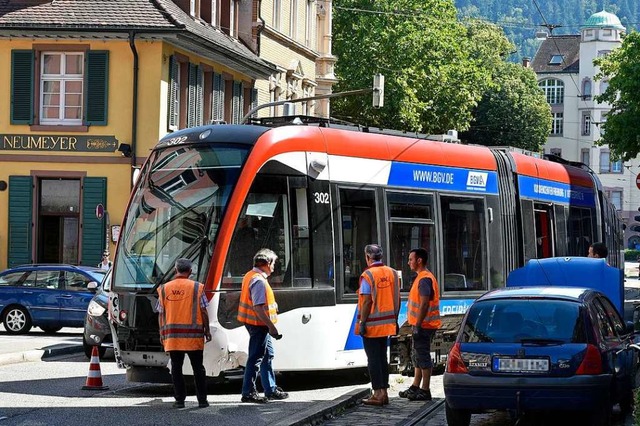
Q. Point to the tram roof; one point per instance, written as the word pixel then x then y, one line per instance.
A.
pixel 550 170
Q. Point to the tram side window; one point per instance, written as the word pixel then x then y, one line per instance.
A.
pixel 274 216
pixel 359 228
pixel 580 231
pixel 411 225
pixel 464 244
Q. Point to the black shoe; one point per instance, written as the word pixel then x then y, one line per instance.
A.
pixel 178 404
pixel 204 404
pixel 278 394
pixel 254 398
pixel 410 390
pixel 420 395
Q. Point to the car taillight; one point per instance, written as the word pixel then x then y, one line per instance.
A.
pixel 592 362
pixel 455 364
pixel 122 315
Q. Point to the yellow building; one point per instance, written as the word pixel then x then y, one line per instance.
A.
pixel 88 89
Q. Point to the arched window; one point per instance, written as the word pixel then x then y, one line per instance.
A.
pixel 604 84
pixel 553 90
pixel 586 89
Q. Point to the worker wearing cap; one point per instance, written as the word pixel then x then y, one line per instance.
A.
pixel 378 307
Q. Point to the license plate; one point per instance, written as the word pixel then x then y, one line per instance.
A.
pixel 535 365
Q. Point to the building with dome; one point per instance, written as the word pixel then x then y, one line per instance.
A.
pixel 566 73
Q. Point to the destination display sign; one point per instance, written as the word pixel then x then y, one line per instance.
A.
pixel 58 143
pixel 557 192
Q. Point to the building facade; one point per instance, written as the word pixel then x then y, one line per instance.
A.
pixel 92 86
pixel 566 74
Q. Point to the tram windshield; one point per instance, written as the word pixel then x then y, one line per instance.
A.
pixel 175 212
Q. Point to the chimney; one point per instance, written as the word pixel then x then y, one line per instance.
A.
pixel 526 62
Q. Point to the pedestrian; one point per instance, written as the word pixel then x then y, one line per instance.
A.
pixel 378 307
pixel 105 263
pixel 258 311
pixel 184 326
pixel 598 250
pixel 423 308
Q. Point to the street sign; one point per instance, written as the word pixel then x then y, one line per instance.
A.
pixel 99 211
pixel 638 181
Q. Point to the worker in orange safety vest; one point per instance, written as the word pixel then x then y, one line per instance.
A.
pixel 423 310
pixel 378 308
pixel 184 326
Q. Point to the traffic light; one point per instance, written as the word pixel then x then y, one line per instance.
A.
pixel 378 91
pixel 634 227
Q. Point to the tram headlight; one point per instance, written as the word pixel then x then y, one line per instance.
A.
pixel 122 316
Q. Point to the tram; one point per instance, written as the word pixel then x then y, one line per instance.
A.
pixel 316 193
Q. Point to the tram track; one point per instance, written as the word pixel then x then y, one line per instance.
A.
pixel 424 413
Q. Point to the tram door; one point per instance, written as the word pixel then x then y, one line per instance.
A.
pixel 359 228
pixel 543 215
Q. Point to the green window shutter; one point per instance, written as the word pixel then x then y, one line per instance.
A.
pixel 97 87
pixel 254 101
pixel 191 95
pixel 218 98
pixel 22 76
pixel 94 192
pixel 20 220
pixel 174 94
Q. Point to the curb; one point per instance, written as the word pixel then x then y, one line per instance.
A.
pixel 323 411
pixel 39 354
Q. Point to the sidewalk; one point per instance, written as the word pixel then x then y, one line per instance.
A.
pixel 36 345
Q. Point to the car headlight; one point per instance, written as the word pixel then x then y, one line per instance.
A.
pixel 95 310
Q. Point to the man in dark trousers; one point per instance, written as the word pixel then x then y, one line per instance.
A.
pixel 378 308
pixel 423 310
pixel 258 311
pixel 184 326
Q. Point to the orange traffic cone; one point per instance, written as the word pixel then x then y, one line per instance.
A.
pixel 94 378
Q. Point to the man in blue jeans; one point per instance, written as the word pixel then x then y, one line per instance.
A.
pixel 258 311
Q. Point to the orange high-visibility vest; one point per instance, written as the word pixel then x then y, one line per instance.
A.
pixel 432 319
pixel 181 324
pixel 246 314
pixel 385 294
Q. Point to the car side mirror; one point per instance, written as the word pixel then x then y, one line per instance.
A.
pixel 92 286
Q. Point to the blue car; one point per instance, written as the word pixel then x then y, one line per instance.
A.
pixel 540 348
pixel 46 296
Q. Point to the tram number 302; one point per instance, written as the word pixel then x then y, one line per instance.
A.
pixel 321 197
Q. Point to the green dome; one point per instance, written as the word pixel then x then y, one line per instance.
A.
pixel 603 19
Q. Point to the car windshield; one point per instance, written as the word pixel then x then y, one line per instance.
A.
pixel 175 212
pixel 524 320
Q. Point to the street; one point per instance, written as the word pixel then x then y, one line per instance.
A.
pixel 48 391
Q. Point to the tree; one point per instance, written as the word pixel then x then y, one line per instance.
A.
pixel 622 68
pixel 513 111
pixel 432 83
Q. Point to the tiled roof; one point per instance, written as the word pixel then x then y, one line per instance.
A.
pixel 94 14
pixel 124 15
pixel 568 46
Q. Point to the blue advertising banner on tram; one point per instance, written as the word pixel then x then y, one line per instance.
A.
pixel 557 192
pixel 443 178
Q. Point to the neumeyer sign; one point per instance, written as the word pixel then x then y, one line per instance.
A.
pixel 443 178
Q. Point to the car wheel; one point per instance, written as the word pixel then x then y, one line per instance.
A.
pixel 17 320
pixel 457 417
pixel 50 330
pixel 88 349
pixel 601 415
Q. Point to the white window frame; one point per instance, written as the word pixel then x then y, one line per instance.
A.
pixel 557 125
pixel 192 7
pixel 277 16
pixel 308 26
pixel 62 78
pixel 586 124
pixel 553 89
pixel 214 14
pixel 585 155
pixel 293 25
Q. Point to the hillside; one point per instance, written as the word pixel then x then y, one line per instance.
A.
pixel 520 19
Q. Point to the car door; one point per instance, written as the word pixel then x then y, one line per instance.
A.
pixel 624 357
pixel 74 299
pixel 44 288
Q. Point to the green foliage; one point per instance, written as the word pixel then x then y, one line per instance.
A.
pixel 622 68
pixel 631 255
pixel 432 83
